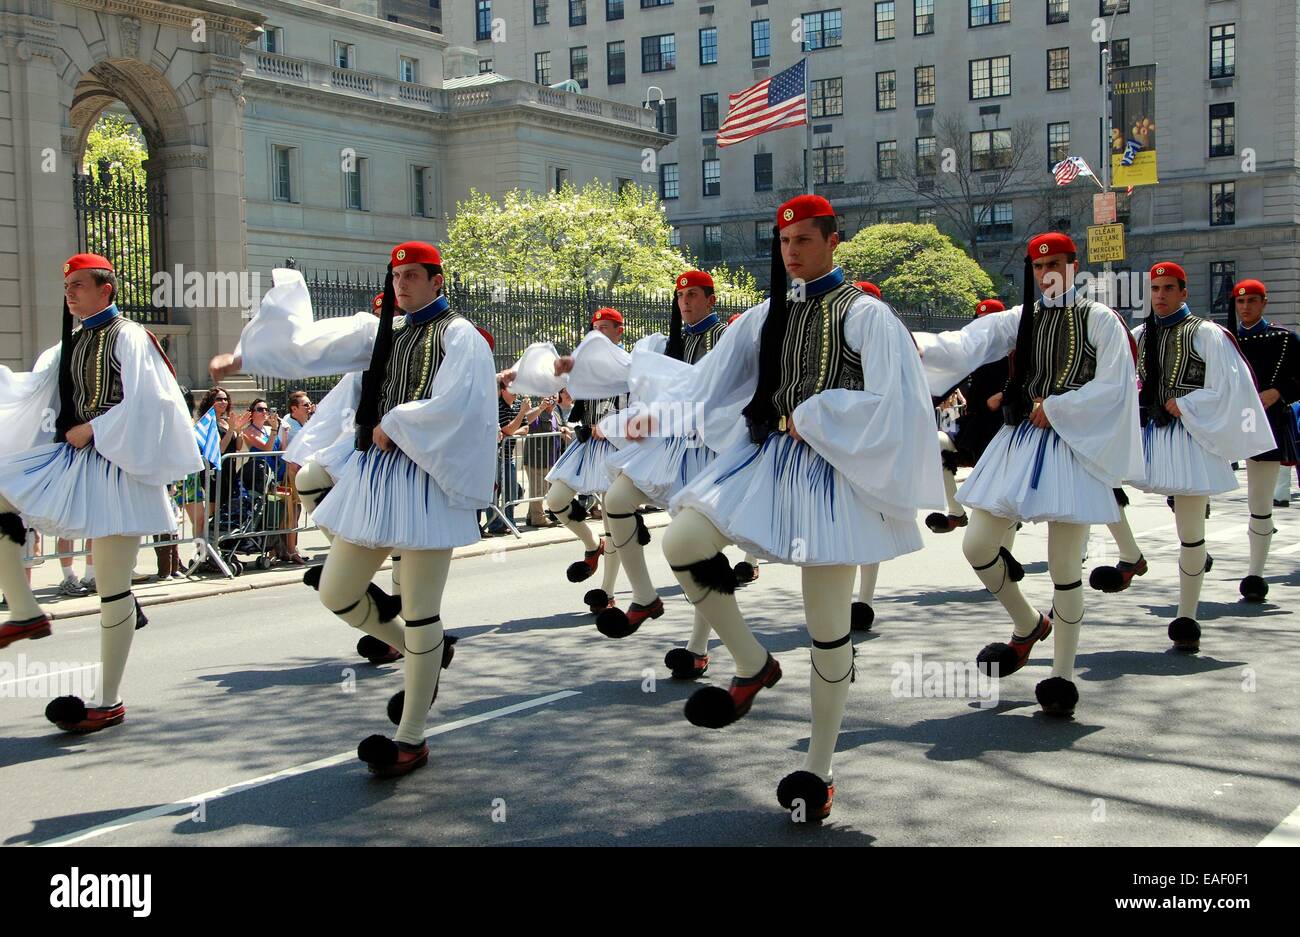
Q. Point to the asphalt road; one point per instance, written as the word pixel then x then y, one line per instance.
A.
pixel 244 712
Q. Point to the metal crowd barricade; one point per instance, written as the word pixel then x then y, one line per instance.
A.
pixel 179 494
pixel 254 502
pixel 514 456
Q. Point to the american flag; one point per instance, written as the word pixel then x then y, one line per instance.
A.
pixel 1070 168
pixel 772 104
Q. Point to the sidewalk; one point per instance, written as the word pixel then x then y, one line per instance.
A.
pixel 312 545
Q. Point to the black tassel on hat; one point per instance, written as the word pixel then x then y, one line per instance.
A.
pixel 1016 404
pixel 67 402
pixel 373 379
pixel 676 341
pixel 760 412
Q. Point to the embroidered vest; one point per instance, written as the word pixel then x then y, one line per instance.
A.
pixel 96 371
pixel 815 356
pixel 1182 370
pixel 701 343
pixel 418 351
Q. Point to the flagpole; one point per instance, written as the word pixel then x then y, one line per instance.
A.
pixel 808 144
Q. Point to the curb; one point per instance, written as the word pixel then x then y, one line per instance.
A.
pixel 270 580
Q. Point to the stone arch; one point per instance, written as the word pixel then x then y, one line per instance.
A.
pixel 145 91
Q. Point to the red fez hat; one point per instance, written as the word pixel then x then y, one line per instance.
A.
pixel 801 207
pixel 487 337
pixel 607 315
pixel 1054 242
pixel 378 302
pixel 694 278
pixel 989 305
pixel 416 252
pixel 1167 268
pixel 1250 288
pixel 868 287
pixel 734 317
pixel 86 262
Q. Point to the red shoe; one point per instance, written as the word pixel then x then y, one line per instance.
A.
pixel 685 664
pixel 388 759
pixel 34 628
pixel 945 523
pixel 1012 656
pixel 713 707
pixel 614 623
pixel 580 572
pixel 745 573
pixel 70 714
pixel 1117 578
pixel 376 651
pixel 805 789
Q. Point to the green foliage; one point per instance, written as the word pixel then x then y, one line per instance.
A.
pixel 593 236
pixel 118 140
pixel 915 265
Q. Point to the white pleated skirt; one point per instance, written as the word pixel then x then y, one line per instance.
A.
pixel 582 466
pixel 77 493
pixel 1177 464
pixel 1031 474
pixel 786 504
pixel 383 500
pixel 660 467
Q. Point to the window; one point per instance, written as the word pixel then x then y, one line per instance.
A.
pixel 669 181
pixel 1223 129
pixel 658 53
pixel 827 97
pixel 923 17
pixel 408 69
pixel 990 150
pixel 1223 203
pixel 484 66
pixel 666 116
pixel 541 12
pixel 577 12
pixel 675 237
pixel 646 4
pixel 885 24
pixel 542 68
pixel 762 172
pixel 1223 274
pixel 272 39
pixel 927 156
pixel 1223 50
pixel 613 10
pixel 1058 69
pixel 1058 142
pixel 622 185
pixel 352 180
pixel 713 235
pixel 709 46
pixel 992 220
pixel 1113 6
pixel 712 176
pixel 886 91
pixel 990 78
pixel 927 215
pixel 923 77
pixel 1058 11
pixel 1119 53
pixel 889 216
pixel 989 12
pixel 828 165
pixel 822 30
pixel 708 112
pixel 762 236
pixel 760 39
pixel 482 20
pixel 419 179
pixel 616 71
pixel 578 65
pixel 282 158
pixel 344 54
pixel 887 159
pixel 1060 210
pixel 561 178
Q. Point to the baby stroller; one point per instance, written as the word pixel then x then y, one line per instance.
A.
pixel 255 508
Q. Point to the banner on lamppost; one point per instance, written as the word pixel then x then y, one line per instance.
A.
pixel 1133 128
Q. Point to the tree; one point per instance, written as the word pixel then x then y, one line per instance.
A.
pixel 915 265
pixel 964 180
pixel 593 236
pixel 116 206
pixel 117 144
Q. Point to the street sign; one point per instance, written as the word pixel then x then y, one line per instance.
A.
pixel 1103 208
pixel 1105 243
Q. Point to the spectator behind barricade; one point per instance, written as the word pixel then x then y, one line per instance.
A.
pixel 512 412
pixel 300 410
pixel 200 501
pixel 540 454
pixel 259 435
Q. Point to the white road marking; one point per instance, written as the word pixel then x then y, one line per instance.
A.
pixel 1287 833
pixel 189 803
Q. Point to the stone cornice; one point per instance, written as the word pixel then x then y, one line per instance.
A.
pixel 219 17
pixel 356 22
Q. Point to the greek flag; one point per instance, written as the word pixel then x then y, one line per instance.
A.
pixel 208 438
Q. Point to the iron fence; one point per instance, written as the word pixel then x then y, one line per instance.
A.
pixel 122 219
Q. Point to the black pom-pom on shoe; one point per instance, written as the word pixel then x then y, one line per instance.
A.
pixel 745 573
pixel 807 790
pixel 1254 589
pixel 685 665
pixel 1057 696
pixel 1186 635
pixel 1106 579
pixel 711 707
pixel 862 616
pixel 65 709
pixel 597 600
pixel 614 623
pixel 397 702
pixel 997 659
pixel 378 751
